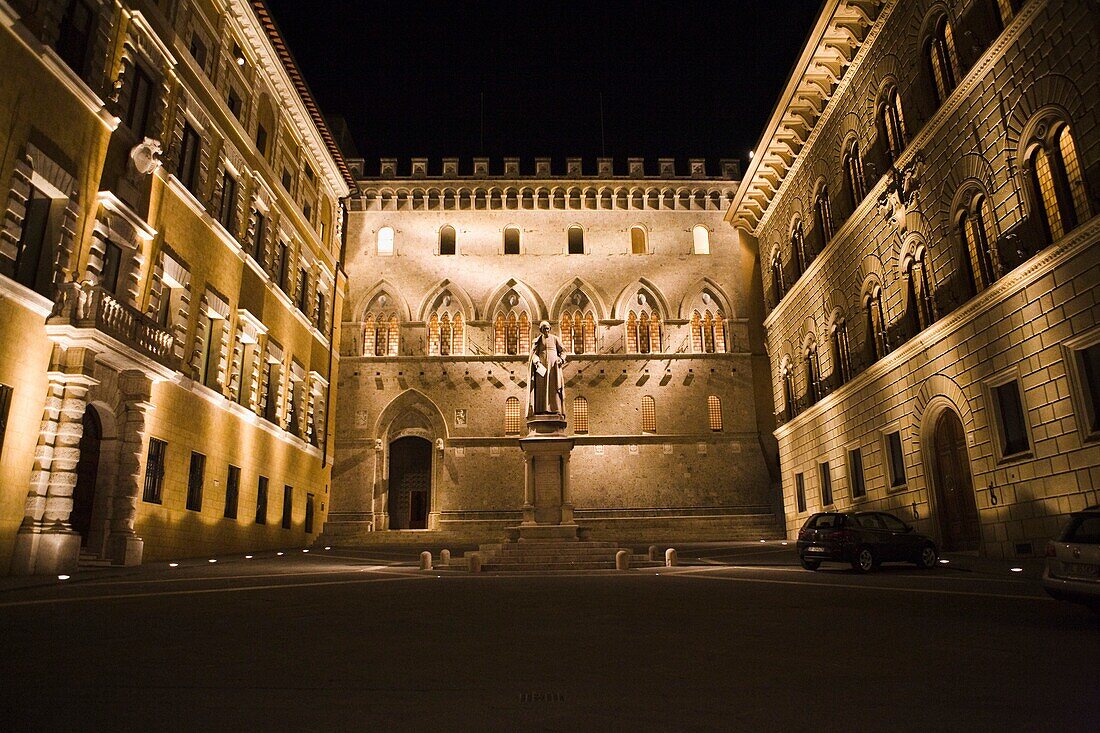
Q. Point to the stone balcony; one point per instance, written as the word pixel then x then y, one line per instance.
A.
pixel 89 315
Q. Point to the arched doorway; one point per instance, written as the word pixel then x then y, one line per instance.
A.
pixel 410 484
pixel 956 509
pixel 87 470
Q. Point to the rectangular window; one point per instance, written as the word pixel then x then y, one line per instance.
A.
pixel 826 485
pixel 271 402
pixel 232 491
pixel 75 35
pixel 261 140
pixel 714 413
pixel 211 352
pixel 233 101
pixel 309 514
pixel 259 234
pixel 1011 418
pixel 288 505
pixel 249 353
pixel 187 168
pixel 154 471
pixel 303 291
pixel 580 415
pixel 33 263
pixel 288 180
pixel 280 265
pixel 322 311
pixel 855 473
pixel 227 207
pixel 141 102
pixel 112 263
pixel 896 459
pixel 261 500
pixel 800 493
pixel 194 481
pixel 5 408
pixel 649 415
pixel 198 51
pixel 1088 366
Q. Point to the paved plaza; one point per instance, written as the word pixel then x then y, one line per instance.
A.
pixel 736 638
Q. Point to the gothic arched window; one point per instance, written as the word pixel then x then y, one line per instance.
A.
pixel 578 332
pixel 823 209
pixel 875 317
pixel 380 334
pixel 708 332
pixel 854 176
pixel 842 361
pixel 1058 187
pixel 891 121
pixel 975 221
pixel 446 334
pixel 513 421
pixel 580 415
pixel 942 60
pixel 643 332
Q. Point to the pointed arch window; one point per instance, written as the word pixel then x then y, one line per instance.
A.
pixel 448 240
pixel 512 418
pixel 777 278
pixel 875 317
pixel 380 334
pixel 942 60
pixel 580 415
pixel 854 176
pixel 714 413
pixel 446 334
pixel 639 244
pixel 576 240
pixel 700 237
pixel 891 122
pixel 708 332
pixel 842 360
pixel 975 222
pixel 385 241
pixel 823 209
pixel 649 415
pixel 798 248
pixel 643 332
pixel 578 331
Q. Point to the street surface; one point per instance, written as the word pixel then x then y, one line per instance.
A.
pixel 737 638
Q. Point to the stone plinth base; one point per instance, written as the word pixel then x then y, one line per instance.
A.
pixel 542 532
pixel 125 549
pixel 45 552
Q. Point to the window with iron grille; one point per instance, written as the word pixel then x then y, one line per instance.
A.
pixel 826 485
pixel 580 415
pixel 232 492
pixel 896 459
pixel 855 473
pixel 288 505
pixel 800 493
pixel 512 421
pixel 195 481
pixel 714 413
pixel 649 415
pixel 261 500
pixel 154 471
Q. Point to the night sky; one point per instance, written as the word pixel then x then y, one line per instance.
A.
pixel 683 79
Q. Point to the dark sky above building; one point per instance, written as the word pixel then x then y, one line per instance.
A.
pixel 677 78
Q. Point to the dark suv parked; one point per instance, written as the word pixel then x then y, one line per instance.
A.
pixel 864 539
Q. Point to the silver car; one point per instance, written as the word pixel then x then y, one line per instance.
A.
pixel 1072 571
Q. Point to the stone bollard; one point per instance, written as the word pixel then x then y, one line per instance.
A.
pixel 444 558
pixel 622 560
pixel 653 552
pixel 670 558
pixel 475 562
pixel 425 560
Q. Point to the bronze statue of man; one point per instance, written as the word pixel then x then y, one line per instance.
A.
pixel 546 387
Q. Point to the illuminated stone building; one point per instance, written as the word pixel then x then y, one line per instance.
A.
pixel 449 275
pixel 168 279
pixel 923 200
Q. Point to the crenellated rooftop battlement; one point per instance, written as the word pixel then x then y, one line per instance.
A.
pixel 664 169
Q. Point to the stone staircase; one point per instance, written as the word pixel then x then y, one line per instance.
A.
pixel 554 555
pixel 91 560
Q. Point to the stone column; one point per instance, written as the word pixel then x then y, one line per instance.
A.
pixel 528 489
pixel 46 543
pixel 123 546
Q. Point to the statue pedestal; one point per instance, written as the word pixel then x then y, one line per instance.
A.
pixel 547 501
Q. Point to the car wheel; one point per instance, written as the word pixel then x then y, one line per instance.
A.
pixel 927 557
pixel 810 564
pixel 865 560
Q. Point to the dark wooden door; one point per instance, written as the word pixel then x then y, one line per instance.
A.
pixel 957 510
pixel 410 483
pixel 87 468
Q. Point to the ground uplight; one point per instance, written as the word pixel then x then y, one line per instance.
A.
pixel 62 577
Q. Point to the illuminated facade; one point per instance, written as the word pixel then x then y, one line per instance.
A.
pixel 924 200
pixel 449 276
pixel 168 284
